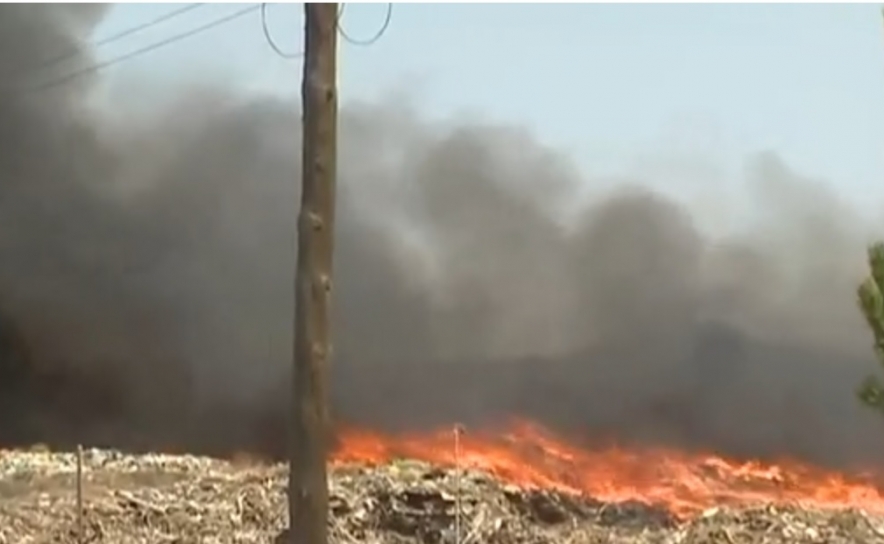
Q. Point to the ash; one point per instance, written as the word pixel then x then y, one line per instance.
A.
pixel 185 499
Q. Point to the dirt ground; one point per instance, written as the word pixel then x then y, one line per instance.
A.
pixel 130 499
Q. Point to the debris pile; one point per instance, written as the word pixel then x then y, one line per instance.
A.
pixel 129 499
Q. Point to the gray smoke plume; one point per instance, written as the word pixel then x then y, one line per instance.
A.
pixel 146 271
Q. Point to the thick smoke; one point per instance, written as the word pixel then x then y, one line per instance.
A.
pixel 146 283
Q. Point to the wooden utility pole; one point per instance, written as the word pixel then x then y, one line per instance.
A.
pixel 308 484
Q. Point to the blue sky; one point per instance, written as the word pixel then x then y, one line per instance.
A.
pixel 680 95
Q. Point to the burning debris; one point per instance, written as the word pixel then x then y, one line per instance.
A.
pixel 685 483
pixel 165 498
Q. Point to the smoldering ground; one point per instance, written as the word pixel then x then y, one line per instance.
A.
pixel 146 282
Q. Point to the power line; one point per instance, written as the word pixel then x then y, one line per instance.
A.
pixel 349 39
pixel 52 83
pixel 375 37
pixel 75 51
pixel 138 52
pixel 271 42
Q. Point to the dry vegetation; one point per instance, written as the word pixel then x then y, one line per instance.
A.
pixel 183 499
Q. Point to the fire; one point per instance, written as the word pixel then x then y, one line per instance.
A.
pixel 528 455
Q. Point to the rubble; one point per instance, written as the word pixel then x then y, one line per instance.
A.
pixel 154 498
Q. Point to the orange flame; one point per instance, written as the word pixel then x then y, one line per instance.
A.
pixel 530 456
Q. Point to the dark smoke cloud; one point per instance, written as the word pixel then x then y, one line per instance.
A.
pixel 146 283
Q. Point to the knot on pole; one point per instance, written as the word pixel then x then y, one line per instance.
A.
pixel 314 221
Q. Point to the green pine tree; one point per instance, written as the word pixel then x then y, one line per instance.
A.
pixel 871 303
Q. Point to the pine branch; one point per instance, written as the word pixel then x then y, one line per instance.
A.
pixel 871 303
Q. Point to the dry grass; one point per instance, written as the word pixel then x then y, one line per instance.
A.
pixel 181 499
